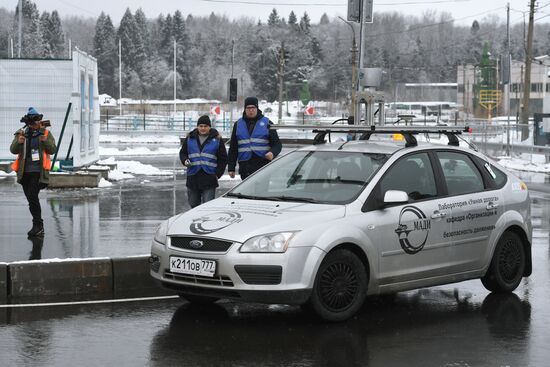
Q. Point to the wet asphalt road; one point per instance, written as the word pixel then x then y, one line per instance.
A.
pixel 116 221
pixel 453 325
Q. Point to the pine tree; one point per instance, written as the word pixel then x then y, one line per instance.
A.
pixel 305 23
pixel 133 51
pixel 31 38
pixel 143 30
pixel 106 52
pixel 56 38
pixel 273 19
pixel 46 51
pixel 292 20
pixel 324 19
pixel 182 45
pixel 167 39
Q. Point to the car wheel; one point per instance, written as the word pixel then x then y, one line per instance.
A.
pixel 340 286
pixel 196 299
pixel 507 265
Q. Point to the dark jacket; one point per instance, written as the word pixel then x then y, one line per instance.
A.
pixel 255 163
pixel 202 180
pixel 47 147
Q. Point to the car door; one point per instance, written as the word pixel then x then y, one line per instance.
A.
pixel 411 237
pixel 475 209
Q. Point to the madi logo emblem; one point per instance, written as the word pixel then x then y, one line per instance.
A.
pixel 196 244
pixel 413 229
pixel 213 222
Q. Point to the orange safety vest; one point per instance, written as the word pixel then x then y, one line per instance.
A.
pixel 46 160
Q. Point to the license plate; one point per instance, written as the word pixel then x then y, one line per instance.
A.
pixel 186 265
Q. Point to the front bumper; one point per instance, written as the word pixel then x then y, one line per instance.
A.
pixel 252 277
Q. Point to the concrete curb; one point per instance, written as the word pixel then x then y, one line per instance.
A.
pixel 77 279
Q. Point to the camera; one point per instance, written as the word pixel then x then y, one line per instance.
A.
pixel 31 119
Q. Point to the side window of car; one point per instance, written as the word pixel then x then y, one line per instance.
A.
pixel 460 173
pixel 412 174
pixel 497 179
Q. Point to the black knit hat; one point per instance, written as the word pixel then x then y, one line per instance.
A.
pixel 204 120
pixel 251 101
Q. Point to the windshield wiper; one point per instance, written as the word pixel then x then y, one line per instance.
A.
pixel 243 196
pixel 290 198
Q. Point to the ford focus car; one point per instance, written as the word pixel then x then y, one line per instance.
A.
pixel 326 225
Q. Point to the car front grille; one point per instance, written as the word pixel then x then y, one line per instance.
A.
pixel 222 281
pixel 192 244
pixel 260 274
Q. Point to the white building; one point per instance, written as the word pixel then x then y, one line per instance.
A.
pixel 50 85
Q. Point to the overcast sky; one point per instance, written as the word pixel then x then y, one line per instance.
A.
pixel 464 11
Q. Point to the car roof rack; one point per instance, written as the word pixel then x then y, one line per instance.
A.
pixel 408 132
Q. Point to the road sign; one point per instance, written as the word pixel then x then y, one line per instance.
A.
pixel 215 110
pixel 309 111
pixel 354 10
pixel 367 11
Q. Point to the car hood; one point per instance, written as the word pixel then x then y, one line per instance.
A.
pixel 240 219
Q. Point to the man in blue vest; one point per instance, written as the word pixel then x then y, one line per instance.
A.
pixel 203 153
pixel 253 143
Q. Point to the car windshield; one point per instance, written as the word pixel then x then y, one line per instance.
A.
pixel 313 177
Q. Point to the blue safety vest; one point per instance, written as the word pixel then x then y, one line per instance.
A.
pixel 257 143
pixel 206 159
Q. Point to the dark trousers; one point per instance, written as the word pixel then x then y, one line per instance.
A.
pixel 198 197
pixel 31 188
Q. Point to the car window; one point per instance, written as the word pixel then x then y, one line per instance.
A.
pixel 324 177
pixel 412 174
pixel 460 173
pixel 496 177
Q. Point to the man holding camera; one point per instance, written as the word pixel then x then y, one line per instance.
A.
pixel 33 145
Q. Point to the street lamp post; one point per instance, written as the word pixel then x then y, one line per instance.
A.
pixel 354 52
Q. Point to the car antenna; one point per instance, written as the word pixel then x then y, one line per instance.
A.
pixel 471 145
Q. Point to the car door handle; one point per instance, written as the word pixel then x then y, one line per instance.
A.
pixel 437 214
pixel 491 206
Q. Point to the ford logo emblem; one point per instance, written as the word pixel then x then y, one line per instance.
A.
pixel 196 244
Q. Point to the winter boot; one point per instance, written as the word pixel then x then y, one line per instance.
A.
pixel 36 230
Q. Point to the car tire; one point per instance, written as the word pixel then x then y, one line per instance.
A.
pixel 340 286
pixel 507 265
pixel 199 300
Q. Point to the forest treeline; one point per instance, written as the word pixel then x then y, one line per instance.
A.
pixel 209 49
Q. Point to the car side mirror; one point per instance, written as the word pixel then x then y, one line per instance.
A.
pixel 395 197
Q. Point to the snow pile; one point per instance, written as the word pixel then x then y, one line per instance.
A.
pixel 143 139
pixel 104 183
pixel 117 175
pixel 4 174
pixel 137 151
pixel 139 168
pixel 227 178
pixel 519 164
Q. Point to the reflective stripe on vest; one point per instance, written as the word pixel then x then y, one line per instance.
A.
pixel 46 161
pixel 257 143
pixel 206 160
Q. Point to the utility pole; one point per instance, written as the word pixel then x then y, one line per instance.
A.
pixel 175 80
pixel 507 86
pixel 527 77
pixel 280 74
pixel 19 28
pixel 119 77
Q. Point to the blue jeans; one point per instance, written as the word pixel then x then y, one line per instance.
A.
pixel 198 197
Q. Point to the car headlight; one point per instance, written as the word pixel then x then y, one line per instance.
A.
pixel 162 231
pixel 272 242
